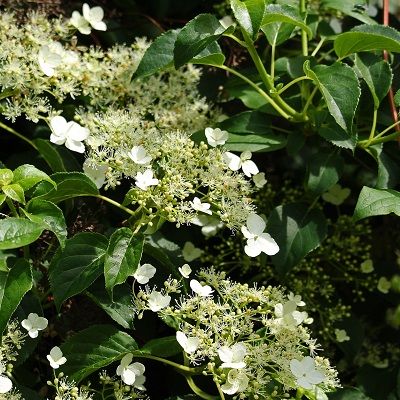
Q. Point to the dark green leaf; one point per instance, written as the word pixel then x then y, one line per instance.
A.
pixel 249 14
pixel 51 155
pixel 367 38
pixel 297 232
pixel 286 14
pixel 50 216
pixel 251 130
pixel 292 66
pixel 377 202
pixel 336 135
pixel 340 87
pixel 388 167
pixel 348 394
pixel 195 36
pixel 13 286
pixel 376 73
pixel 28 176
pixel 162 347
pixel 69 185
pixel 14 191
pixel 159 56
pixel 18 232
pixel 324 170
pixel 78 266
pixel 211 55
pixel 120 309
pixel 95 348
pixel 122 258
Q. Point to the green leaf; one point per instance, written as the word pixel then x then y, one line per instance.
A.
pixel 376 73
pixel 50 155
pixel 367 38
pixel 69 185
pixel 388 166
pixel 251 130
pixel 122 258
pixel 277 32
pixel 249 14
pixel 95 348
pixel 348 394
pixel 159 56
pixel 77 266
pixel 339 85
pixel 211 55
pixel 195 36
pixel 297 232
pixel 28 176
pixel 324 170
pixel 6 176
pixel 348 7
pixel 13 286
pixel 286 14
pixel 162 347
pixel 18 232
pixel 120 308
pixel 397 98
pixel 339 137
pixel 48 215
pixel 376 202
pixel 14 191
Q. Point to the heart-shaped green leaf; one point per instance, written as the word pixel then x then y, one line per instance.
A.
pixel 339 85
pixel 376 202
pixel 367 38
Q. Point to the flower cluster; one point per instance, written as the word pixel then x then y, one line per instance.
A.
pixel 40 60
pixel 251 340
pixel 174 178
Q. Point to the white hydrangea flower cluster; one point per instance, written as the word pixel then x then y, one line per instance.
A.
pixel 173 178
pixel 40 59
pixel 251 340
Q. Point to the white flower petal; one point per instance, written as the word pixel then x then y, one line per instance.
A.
pixel 144 273
pixel 128 376
pixel 74 145
pixel 232 160
pixel 255 224
pixel 267 244
pixel 249 168
pixel 252 249
pixel 5 384
pixel 199 289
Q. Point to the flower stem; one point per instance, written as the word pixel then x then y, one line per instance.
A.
pixel 19 135
pixel 259 90
pixel 198 391
pixel 220 392
pixel 184 370
pixel 115 203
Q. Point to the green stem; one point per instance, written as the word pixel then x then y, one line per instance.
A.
pixel 294 81
pixel 220 392
pixel 388 138
pixel 387 129
pixel 304 38
pixel 373 127
pixel 267 80
pixel 19 135
pixel 184 370
pixel 237 40
pixel 198 391
pixel 309 100
pixel 258 89
pixel 115 203
pixel 299 394
pixel 319 45
pixel 12 208
pixel 272 73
